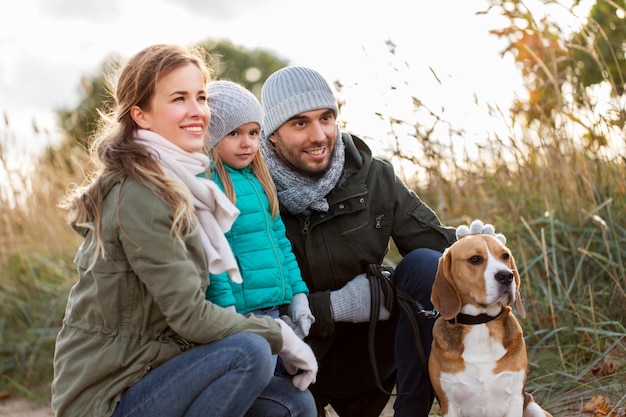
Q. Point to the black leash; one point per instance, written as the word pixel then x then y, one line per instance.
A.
pixel 381 282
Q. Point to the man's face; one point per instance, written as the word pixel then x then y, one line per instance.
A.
pixel 306 141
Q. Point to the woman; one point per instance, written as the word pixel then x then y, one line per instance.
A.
pixel 138 337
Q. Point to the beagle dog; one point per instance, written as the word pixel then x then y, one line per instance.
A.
pixel 478 361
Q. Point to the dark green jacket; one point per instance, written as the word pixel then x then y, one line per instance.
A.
pixel 369 206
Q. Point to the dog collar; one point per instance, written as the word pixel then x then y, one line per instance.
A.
pixel 479 319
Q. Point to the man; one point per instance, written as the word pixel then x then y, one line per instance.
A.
pixel 341 206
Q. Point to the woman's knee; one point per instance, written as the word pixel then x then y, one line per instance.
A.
pixel 246 352
pixel 254 347
pixel 281 399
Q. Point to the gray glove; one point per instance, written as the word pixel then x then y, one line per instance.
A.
pixel 352 302
pixel 479 228
pixel 297 355
pixel 291 324
pixel 300 314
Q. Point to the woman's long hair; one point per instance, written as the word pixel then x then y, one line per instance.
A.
pixel 114 152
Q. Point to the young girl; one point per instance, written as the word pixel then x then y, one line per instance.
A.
pixel 139 338
pixel 271 276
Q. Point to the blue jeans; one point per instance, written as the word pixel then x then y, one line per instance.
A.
pixel 415 275
pixel 230 377
pixel 274 313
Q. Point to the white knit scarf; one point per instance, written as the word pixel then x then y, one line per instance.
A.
pixel 215 212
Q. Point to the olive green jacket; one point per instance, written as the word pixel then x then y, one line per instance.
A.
pixel 142 305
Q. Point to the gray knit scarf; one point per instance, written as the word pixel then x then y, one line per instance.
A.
pixel 300 193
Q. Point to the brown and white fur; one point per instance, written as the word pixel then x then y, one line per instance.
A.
pixel 479 369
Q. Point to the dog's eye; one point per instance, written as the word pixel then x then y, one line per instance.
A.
pixel 476 260
pixel 506 256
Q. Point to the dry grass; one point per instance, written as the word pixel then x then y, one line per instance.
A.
pixel 563 216
pixel 23 408
pixel 562 211
pixel 559 199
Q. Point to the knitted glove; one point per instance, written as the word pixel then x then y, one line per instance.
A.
pixel 478 227
pixel 291 324
pixel 300 314
pixel 297 355
pixel 352 302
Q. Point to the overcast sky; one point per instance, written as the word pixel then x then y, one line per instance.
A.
pixel 443 50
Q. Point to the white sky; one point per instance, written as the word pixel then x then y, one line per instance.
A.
pixel 47 45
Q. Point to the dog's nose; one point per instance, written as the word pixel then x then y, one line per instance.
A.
pixel 504 277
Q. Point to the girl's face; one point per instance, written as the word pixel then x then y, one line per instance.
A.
pixel 238 148
pixel 179 111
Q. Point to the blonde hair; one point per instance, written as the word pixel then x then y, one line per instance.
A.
pixel 260 171
pixel 114 152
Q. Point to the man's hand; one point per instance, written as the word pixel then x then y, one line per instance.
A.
pixel 479 228
pixel 352 303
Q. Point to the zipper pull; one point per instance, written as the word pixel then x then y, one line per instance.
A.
pixel 379 219
pixel 307 223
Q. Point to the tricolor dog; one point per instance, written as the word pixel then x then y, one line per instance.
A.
pixel 478 361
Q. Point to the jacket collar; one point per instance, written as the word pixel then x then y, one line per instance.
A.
pixel 356 167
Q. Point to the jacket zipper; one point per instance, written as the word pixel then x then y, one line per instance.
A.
pixel 307 223
pixel 379 219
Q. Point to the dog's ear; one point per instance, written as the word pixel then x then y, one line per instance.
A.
pixel 444 296
pixel 518 297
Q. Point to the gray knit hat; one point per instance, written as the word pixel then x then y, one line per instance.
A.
pixel 294 90
pixel 232 105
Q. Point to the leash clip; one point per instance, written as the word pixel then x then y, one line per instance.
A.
pixel 429 314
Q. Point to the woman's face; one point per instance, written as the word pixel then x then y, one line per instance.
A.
pixel 179 110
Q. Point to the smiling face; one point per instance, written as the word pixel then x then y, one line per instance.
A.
pixel 178 111
pixel 307 140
